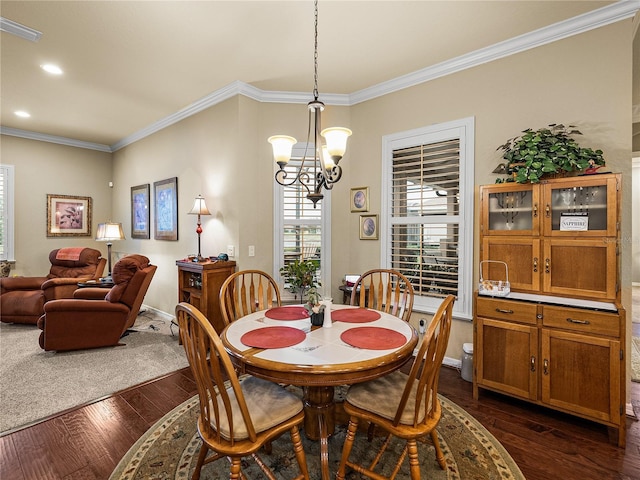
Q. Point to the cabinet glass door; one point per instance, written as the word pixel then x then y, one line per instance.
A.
pixel 581 206
pixel 510 209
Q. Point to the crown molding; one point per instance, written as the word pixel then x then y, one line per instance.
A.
pixel 552 33
pixel 19 30
pixel 43 137
pixel 583 23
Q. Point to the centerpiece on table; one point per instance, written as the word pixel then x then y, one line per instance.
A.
pixel 546 152
pixel 313 306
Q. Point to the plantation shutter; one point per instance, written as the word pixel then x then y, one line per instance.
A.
pixel 425 217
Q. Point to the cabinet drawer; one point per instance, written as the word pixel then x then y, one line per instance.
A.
pixel 506 310
pixel 584 321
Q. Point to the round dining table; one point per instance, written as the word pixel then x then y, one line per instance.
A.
pixel 281 345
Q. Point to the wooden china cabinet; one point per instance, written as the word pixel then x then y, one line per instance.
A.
pixel 558 338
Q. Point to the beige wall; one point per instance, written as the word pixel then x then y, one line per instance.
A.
pixel 222 153
pixel 43 168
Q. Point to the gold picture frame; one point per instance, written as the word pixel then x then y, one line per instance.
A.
pixel 359 199
pixel 140 211
pixel 165 193
pixel 68 216
pixel 368 227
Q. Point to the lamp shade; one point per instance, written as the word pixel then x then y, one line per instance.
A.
pixel 282 147
pixel 199 207
pixel 108 232
pixel 336 138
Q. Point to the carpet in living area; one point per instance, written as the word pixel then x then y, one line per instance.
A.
pixel 35 384
pixel 169 450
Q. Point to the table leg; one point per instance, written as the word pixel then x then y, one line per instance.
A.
pixel 319 420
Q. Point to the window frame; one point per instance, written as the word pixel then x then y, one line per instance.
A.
pixel 278 225
pixel 464 130
pixel 7 214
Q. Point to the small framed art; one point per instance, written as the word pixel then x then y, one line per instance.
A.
pixel 68 216
pixel 165 194
pixel 368 227
pixel 140 212
pixel 360 199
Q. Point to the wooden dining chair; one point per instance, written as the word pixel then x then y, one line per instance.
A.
pixel 247 291
pixel 384 290
pixel 418 411
pixel 237 417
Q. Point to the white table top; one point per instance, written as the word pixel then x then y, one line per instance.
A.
pixel 322 346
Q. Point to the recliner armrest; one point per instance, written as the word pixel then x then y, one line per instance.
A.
pixel 91 293
pixel 8 284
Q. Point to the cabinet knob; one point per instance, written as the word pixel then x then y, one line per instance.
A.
pixel 547 265
pixel 535 264
pixel 547 210
pixel 535 210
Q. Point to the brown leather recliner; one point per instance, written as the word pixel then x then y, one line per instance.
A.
pixel 22 299
pixel 97 317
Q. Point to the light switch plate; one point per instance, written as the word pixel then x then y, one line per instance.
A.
pixel 252 250
pixel 231 251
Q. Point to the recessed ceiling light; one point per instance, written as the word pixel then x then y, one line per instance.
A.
pixel 51 68
pixel 22 114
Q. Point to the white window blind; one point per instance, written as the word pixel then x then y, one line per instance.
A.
pixel 6 212
pixel 424 234
pixel 301 230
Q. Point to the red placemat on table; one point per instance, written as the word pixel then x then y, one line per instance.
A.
pixel 273 337
pixel 287 313
pixel 373 338
pixel 354 315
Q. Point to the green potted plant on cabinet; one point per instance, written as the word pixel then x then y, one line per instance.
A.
pixel 546 152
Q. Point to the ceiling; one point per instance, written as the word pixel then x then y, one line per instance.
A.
pixel 130 64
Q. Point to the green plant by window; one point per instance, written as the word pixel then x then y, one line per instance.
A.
pixel 300 276
pixel 546 151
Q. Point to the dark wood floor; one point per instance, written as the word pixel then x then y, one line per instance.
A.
pixel 87 442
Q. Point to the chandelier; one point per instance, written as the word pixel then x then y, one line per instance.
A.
pixel 319 169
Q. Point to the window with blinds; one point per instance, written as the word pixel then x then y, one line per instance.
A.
pixel 6 212
pixel 300 234
pixel 424 232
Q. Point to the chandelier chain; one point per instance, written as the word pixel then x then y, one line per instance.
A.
pixel 315 52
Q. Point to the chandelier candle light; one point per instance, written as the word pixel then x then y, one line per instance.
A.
pixel 199 208
pixel 326 171
pixel 108 232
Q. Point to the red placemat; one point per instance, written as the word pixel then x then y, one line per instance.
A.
pixel 354 315
pixel 273 337
pixel 373 338
pixel 287 313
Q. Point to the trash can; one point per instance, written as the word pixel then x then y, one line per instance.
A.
pixel 467 362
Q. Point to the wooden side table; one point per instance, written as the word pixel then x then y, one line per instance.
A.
pixel 199 284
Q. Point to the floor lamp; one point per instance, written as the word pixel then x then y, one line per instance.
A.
pixel 108 232
pixel 199 208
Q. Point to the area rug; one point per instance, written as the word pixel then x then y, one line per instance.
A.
pixel 35 384
pixel 635 359
pixel 169 451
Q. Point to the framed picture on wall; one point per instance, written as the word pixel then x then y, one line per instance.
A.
pixel 165 197
pixel 68 216
pixel 140 211
pixel 368 227
pixel 360 199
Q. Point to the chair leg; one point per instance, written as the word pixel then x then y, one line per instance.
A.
pixel 439 454
pixel 234 472
pixel 201 456
pixel 371 431
pixel 414 464
pixel 346 449
pixel 299 451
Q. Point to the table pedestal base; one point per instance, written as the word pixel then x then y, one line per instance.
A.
pixel 319 420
